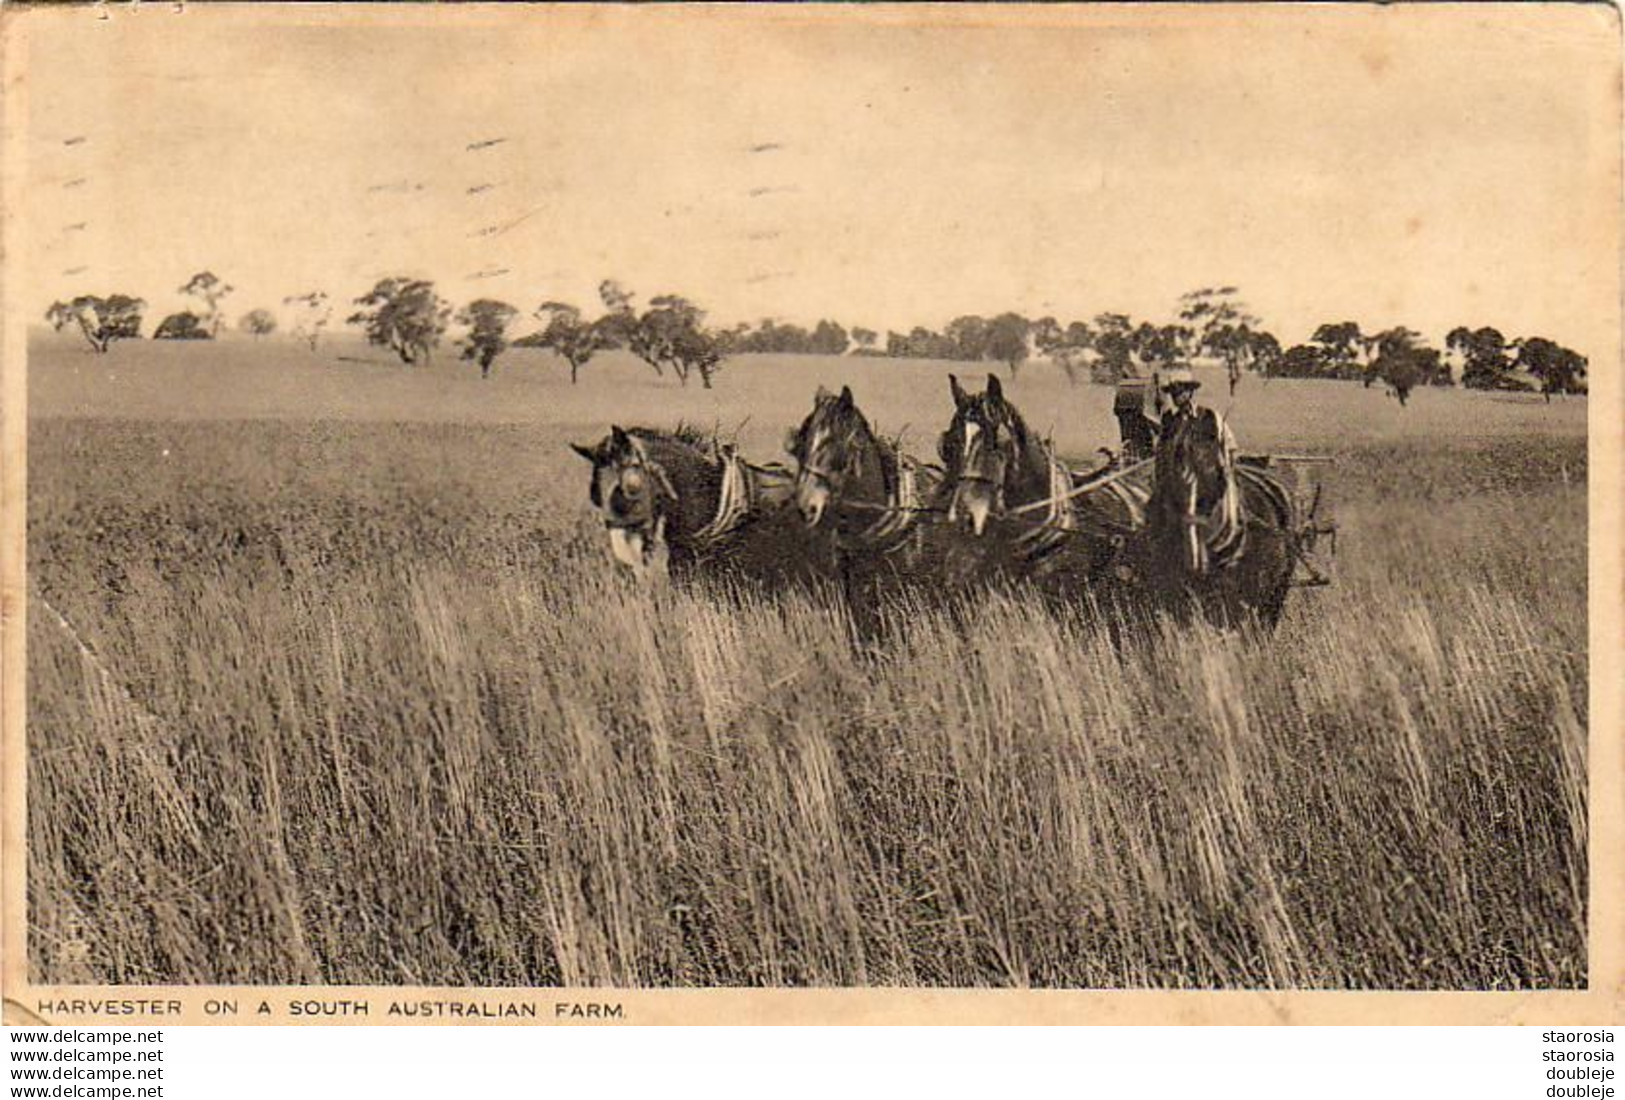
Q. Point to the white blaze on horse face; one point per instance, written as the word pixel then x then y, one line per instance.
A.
pixel 974 502
pixel 976 498
pixel 812 497
pixel 627 546
pixel 979 507
pixel 812 493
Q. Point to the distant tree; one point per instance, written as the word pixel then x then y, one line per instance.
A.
pixel 102 321
pixel 1075 353
pixel 1208 312
pixel 1221 326
pixel 1182 337
pixel 828 338
pixel 1114 346
pixel 487 320
pixel 864 338
pixel 658 336
pixel 312 312
pixel 258 322
pixel 1045 334
pixel 1303 361
pixel 969 335
pixel 921 343
pixel 1430 367
pixel 183 326
pixel 1238 346
pixel 1558 369
pixel 1005 340
pixel 79 312
pixel 1153 347
pixel 1396 361
pixel 937 345
pixel 404 315
pixel 211 290
pixel 620 322
pixel 780 337
pixel 1266 352
pixel 1367 351
pixel 1403 361
pixel 698 351
pixel 1339 344
pixel 1068 348
pixel 1402 374
pixel 1482 358
pixel 570 336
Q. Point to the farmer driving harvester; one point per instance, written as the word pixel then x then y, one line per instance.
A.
pixel 1176 400
pixel 1175 406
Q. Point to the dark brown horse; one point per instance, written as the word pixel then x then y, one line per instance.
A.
pixel 865 500
pixel 677 501
pixel 1220 535
pixel 1033 518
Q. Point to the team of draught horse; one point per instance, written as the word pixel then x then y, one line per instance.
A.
pixel 1192 529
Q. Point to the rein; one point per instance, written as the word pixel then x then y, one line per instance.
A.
pixel 898 515
pixel 1058 498
pixel 895 516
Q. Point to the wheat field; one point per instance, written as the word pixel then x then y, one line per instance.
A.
pixel 331 680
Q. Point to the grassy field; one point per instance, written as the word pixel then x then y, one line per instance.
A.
pixel 332 680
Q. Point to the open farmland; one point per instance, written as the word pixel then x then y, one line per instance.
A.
pixel 337 684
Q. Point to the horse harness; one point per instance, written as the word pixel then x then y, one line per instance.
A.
pixel 736 499
pixel 1223 530
pixel 1062 519
pixel 900 515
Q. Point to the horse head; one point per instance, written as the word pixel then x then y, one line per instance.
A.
pixel 837 458
pixel 1194 478
pixel 986 453
pixel 633 494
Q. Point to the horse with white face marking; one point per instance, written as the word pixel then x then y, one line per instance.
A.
pixel 1220 536
pixel 675 502
pixel 872 505
pixel 1035 519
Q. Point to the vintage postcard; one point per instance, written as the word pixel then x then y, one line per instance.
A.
pixel 855 513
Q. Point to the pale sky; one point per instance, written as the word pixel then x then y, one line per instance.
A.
pixel 1422 166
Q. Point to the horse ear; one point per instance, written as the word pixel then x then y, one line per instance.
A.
pixel 822 395
pixel 846 397
pixel 994 389
pixel 961 398
pixel 617 436
pixel 585 452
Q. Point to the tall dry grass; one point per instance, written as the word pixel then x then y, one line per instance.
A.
pixel 348 730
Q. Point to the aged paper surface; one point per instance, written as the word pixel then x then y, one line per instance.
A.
pixel 339 688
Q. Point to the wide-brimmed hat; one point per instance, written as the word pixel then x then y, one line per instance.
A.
pixel 1179 377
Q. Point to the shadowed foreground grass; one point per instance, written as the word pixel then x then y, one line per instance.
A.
pixel 327 764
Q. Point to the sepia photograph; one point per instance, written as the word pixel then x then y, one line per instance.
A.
pixel 854 498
